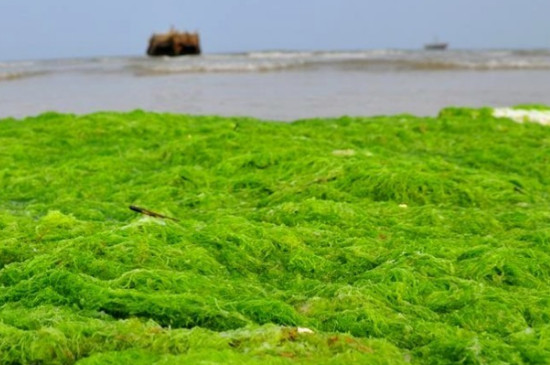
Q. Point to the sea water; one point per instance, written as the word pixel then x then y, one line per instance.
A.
pixel 279 85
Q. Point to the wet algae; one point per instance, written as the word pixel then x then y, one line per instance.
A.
pixel 380 240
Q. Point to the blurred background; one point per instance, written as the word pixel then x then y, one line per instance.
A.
pixel 281 60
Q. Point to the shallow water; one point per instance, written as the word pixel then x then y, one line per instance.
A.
pixel 279 85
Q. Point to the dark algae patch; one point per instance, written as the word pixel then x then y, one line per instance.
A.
pixel 384 240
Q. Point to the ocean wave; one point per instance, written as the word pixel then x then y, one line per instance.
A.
pixel 16 75
pixel 217 67
pixel 446 65
pixel 356 64
pixel 324 54
pixel 378 60
pixel 16 64
pixel 279 54
pixel 402 60
pixel 488 65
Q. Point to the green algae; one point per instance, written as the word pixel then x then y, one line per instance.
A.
pixel 394 239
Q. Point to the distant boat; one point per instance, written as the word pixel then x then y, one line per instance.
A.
pixel 436 46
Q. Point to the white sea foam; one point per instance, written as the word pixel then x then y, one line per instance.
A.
pixel 159 69
pixel 524 115
pixel 279 54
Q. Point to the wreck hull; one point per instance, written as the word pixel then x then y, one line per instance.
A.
pixel 174 44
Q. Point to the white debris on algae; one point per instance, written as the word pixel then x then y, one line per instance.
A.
pixel 347 152
pixel 304 330
pixel 523 115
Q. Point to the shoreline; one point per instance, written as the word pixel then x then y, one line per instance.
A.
pixel 523 113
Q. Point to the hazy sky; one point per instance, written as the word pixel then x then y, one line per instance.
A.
pixel 73 28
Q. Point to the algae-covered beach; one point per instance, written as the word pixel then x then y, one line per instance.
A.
pixel 379 240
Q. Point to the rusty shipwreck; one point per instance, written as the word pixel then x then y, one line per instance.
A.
pixel 174 43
